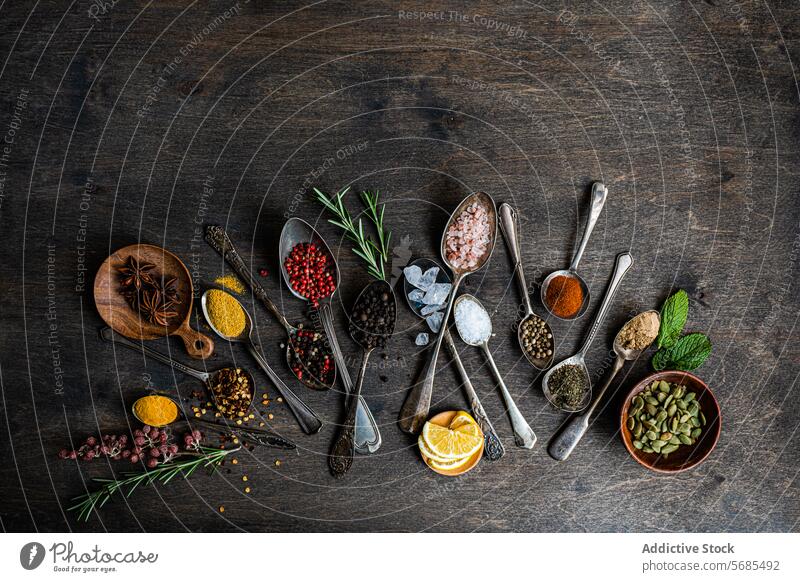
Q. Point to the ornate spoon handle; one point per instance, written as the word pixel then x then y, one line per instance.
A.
pixel 340 458
pixel 493 448
pixel 219 240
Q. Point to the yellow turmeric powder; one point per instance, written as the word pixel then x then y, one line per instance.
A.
pixel 225 313
pixel 230 282
pixel 155 410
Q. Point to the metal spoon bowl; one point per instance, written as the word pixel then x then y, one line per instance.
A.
pixel 567 438
pixel 621 266
pixel 307 418
pixel 509 225
pixel 340 458
pixel 599 196
pixel 523 433
pixel 493 448
pixel 259 435
pixel 416 407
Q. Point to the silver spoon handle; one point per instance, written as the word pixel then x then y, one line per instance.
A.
pixel 418 402
pixel 571 433
pixel 219 240
pixel 368 437
pixel 523 433
pixel 599 195
pixel 110 335
pixel 307 418
pixel 340 458
pixel 264 437
pixel 623 263
pixel 493 448
pixel 509 224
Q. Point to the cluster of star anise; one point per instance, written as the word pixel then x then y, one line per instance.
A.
pixel 151 295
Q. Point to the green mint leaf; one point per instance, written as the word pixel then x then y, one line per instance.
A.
pixel 673 318
pixel 661 359
pixel 690 352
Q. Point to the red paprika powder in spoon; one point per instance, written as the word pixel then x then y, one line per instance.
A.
pixel 564 296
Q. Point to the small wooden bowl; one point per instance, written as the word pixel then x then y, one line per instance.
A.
pixel 687 456
pixel 444 419
pixel 116 312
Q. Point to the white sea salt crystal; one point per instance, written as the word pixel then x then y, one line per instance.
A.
pixel 473 323
pixel 422 339
pixel 437 294
pixel 416 295
pixel 428 309
pixel 413 274
pixel 428 278
pixel 435 321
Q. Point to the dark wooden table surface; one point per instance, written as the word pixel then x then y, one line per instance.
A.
pixel 141 121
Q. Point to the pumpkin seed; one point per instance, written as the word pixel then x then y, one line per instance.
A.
pixel 631 423
pixel 665 436
pixel 651 408
pixel 685 417
pixel 675 440
pixel 647 449
pixel 638 402
pixel 672 410
pixel 695 422
pixel 673 426
pixel 651 400
pixel 638 430
pixel 669 449
pixel 661 397
pixel 637 444
pixel 685 439
pixel 668 399
pixel 652 435
pixel 689 397
pixel 696 433
pixel 663 386
pixel 681 404
pixel 702 418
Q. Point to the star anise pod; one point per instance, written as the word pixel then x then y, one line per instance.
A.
pixel 163 314
pixel 171 291
pixel 136 274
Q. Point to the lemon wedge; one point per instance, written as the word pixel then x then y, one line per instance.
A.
pixel 449 444
pixel 448 465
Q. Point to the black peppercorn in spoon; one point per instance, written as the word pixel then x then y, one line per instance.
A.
pixel 371 325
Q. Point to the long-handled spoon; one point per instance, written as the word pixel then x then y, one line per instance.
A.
pixel 568 437
pixel 221 242
pixel 599 195
pixel 418 402
pixel 297 230
pixel 264 437
pixel 307 418
pixel 509 225
pixel 340 458
pixel 523 433
pixel 493 448
pixel 623 263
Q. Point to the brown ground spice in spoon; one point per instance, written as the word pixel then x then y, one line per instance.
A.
pixel 564 296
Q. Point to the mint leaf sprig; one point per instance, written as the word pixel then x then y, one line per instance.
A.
pixel 675 352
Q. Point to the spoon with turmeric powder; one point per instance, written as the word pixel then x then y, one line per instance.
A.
pixel 159 410
pixel 230 321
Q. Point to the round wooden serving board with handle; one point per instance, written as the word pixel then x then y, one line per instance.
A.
pixel 116 312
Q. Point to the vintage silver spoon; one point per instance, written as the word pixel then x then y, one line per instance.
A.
pixel 623 263
pixel 264 437
pixel 599 195
pixel 307 418
pixel 567 438
pixel 509 225
pixel 418 402
pixel 493 447
pixel 340 458
pixel 297 230
pixel 523 433
pixel 218 239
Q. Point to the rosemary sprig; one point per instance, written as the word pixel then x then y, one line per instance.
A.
pixel 205 457
pixel 374 254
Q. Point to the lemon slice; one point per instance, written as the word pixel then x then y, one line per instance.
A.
pixel 449 465
pixel 429 454
pixel 461 419
pixel 450 444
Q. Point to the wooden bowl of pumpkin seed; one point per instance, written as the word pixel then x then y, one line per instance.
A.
pixel 670 422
